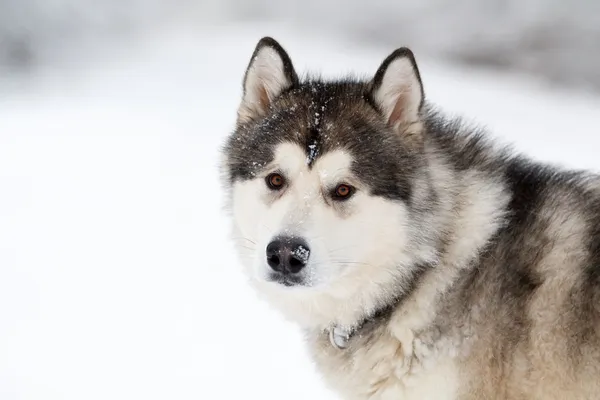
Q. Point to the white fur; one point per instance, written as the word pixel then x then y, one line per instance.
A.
pixel 438 383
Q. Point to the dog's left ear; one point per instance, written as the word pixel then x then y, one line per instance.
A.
pixel 397 89
pixel 269 73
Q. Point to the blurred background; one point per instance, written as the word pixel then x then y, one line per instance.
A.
pixel 116 276
pixel 555 39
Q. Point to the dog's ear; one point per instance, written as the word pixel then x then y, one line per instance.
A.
pixel 397 89
pixel 269 73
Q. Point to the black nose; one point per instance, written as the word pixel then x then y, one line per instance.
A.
pixel 287 255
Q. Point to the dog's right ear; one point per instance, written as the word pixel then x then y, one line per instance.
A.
pixel 269 73
pixel 397 88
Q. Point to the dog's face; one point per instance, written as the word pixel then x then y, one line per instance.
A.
pixel 321 178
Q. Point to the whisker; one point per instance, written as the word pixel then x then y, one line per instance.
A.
pixel 333 251
pixel 245 238
pixel 266 226
pixel 343 262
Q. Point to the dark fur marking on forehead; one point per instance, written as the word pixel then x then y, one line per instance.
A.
pixel 312 146
pixel 316 115
pixel 318 95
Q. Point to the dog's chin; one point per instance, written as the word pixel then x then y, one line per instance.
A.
pixel 308 306
pixel 287 281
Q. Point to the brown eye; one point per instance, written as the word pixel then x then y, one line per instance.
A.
pixel 275 181
pixel 343 192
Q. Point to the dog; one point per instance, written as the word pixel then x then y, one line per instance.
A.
pixel 422 259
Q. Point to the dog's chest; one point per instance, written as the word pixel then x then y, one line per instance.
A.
pixel 373 368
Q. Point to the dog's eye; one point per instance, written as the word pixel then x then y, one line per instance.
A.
pixel 275 181
pixel 343 192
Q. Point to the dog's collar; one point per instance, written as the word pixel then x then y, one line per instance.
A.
pixel 340 336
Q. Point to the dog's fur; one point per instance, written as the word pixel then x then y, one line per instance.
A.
pixel 461 270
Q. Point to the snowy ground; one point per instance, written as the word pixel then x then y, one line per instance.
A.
pixel 116 278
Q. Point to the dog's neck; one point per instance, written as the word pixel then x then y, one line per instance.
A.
pixel 472 209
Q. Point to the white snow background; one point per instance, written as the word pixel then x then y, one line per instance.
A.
pixel 117 280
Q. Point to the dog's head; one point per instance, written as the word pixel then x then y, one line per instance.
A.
pixel 323 178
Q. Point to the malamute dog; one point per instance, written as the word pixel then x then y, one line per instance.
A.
pixel 422 260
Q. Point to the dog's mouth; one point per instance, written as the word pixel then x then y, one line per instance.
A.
pixel 286 279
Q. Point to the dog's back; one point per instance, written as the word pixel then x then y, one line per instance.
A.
pixel 534 297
